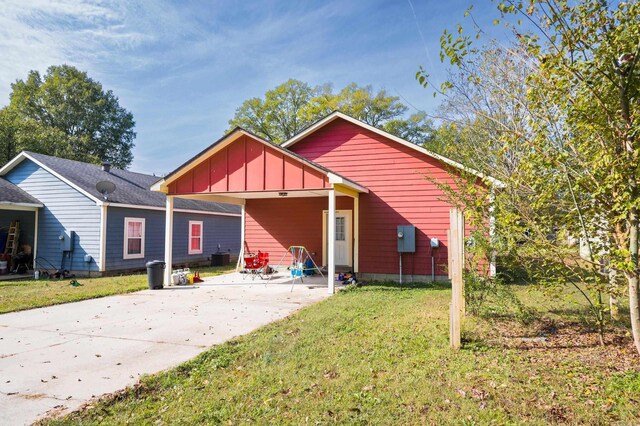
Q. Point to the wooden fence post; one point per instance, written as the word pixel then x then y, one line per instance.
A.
pixel 456 262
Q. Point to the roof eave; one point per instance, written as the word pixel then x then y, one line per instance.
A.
pixel 13 163
pixel 6 205
pixel 336 179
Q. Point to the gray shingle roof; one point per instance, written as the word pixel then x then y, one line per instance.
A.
pixel 11 194
pixel 131 187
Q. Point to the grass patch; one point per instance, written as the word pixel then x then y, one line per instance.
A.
pixel 27 294
pixel 379 354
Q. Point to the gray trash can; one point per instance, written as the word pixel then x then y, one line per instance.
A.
pixel 155 274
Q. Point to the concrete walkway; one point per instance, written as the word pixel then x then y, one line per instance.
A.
pixel 57 358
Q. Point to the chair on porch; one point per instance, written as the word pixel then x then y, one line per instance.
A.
pixel 256 264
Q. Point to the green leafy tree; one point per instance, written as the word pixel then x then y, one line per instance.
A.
pixel 294 105
pixel 577 169
pixel 417 128
pixel 67 114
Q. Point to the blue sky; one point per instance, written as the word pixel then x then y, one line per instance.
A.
pixel 183 67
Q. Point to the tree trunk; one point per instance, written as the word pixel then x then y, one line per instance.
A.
pixel 632 217
pixel 632 278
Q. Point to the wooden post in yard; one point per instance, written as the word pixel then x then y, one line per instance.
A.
pixel 449 252
pixel 463 303
pixel 456 262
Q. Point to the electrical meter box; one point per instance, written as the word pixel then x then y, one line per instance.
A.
pixel 66 240
pixel 406 239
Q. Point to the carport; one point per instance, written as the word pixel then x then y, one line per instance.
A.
pixel 17 205
pixel 284 199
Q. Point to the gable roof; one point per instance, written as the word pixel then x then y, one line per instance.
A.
pixel 234 135
pixel 132 189
pixel 339 115
pixel 13 195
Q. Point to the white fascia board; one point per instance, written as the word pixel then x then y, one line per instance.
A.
pixel 135 206
pixel 11 164
pixel 19 206
pixel 331 117
pixel 161 185
pixel 23 155
pixel 333 179
pixel 207 212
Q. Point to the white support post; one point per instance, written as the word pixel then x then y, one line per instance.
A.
pixel 331 241
pixel 356 234
pixel 35 240
pixel 103 238
pixel 243 216
pixel 168 240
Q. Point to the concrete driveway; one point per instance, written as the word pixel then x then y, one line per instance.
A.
pixel 58 357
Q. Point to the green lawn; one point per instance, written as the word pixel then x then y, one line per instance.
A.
pixel 379 355
pixel 28 294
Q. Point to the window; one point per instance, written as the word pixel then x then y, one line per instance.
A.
pixel 133 238
pixel 340 225
pixel 195 237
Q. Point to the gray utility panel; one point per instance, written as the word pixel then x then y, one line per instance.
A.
pixel 66 240
pixel 406 239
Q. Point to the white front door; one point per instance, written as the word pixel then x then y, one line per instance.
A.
pixel 343 237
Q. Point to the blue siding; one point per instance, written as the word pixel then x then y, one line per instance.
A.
pixel 223 230
pixel 65 209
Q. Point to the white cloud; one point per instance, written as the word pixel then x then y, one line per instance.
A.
pixel 182 67
pixel 35 34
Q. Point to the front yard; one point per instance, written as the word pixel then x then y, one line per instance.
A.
pixel 379 355
pixel 28 294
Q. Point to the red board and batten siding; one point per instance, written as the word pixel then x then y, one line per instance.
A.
pixel 275 224
pixel 399 194
pixel 248 165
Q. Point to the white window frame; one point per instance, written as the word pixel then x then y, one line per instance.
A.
pixel 196 222
pixel 125 251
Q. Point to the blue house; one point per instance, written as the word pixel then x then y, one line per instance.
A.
pixel 68 223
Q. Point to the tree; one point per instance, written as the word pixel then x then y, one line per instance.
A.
pixel 578 168
pixel 417 128
pixel 294 105
pixel 284 111
pixel 69 115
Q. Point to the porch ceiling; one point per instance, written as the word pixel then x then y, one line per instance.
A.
pixel 240 197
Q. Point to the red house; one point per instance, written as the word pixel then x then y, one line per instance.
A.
pixel 339 177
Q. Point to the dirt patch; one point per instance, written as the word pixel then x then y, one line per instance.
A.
pixel 32 395
pixel 569 340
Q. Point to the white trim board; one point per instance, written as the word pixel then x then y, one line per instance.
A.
pixel 103 238
pixel 155 208
pixel 20 206
pixel 337 114
pixel 349 236
pixel 191 223
pixel 125 247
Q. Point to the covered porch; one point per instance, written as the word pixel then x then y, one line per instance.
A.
pixel 285 201
pixel 18 225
